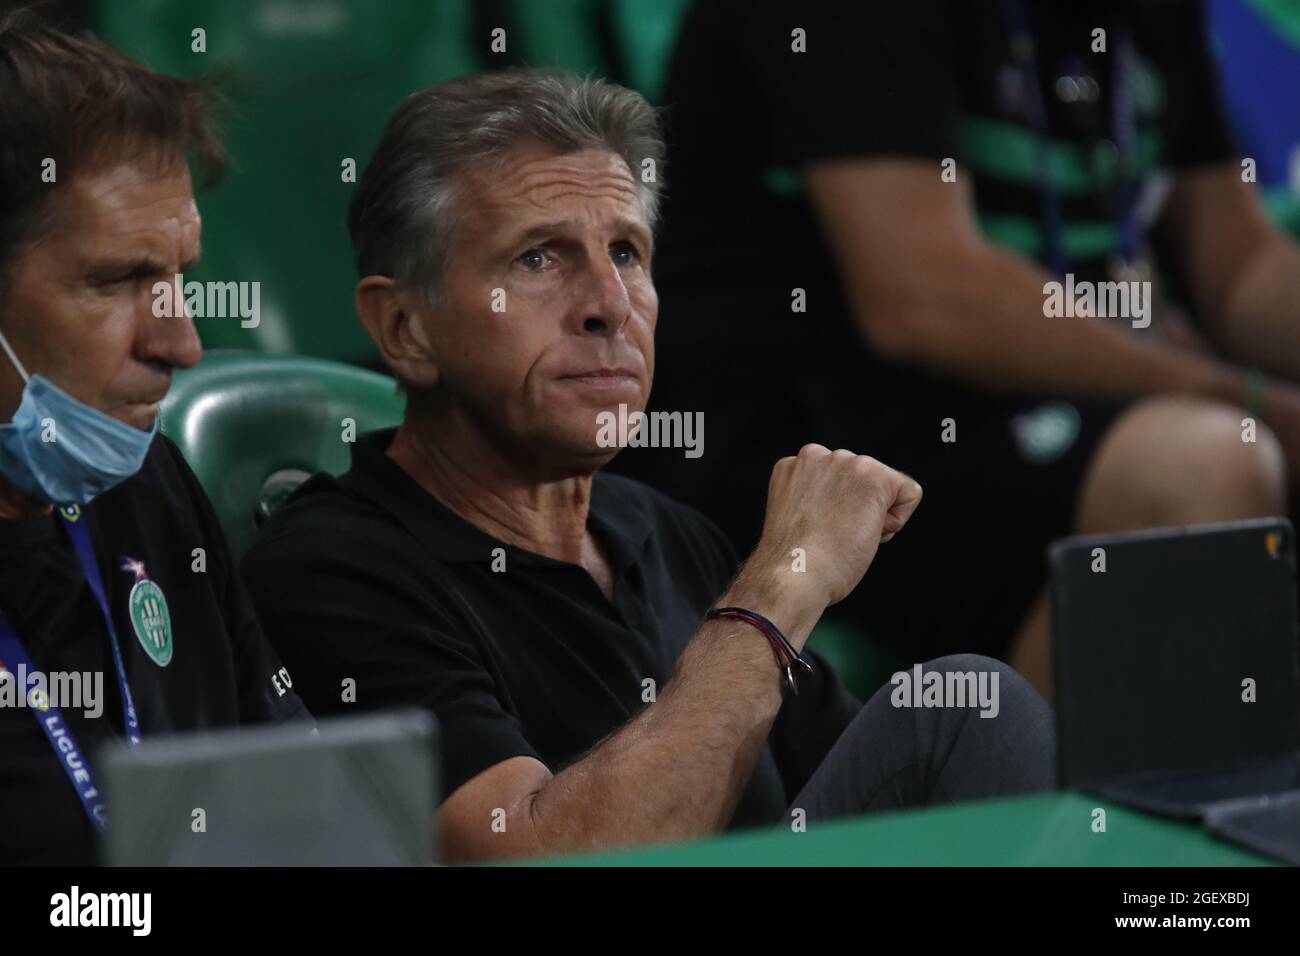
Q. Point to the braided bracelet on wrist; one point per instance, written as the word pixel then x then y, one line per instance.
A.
pixel 787 658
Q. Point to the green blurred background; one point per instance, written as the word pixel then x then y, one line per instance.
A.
pixel 313 82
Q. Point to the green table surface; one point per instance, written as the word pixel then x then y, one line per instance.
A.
pixel 1052 829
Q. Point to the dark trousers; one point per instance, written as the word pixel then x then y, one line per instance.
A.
pixel 891 757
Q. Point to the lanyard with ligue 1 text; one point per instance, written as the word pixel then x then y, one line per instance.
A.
pixel 50 717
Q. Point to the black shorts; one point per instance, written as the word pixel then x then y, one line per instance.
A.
pixel 966 569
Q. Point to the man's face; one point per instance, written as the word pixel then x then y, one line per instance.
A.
pixel 561 244
pixel 79 309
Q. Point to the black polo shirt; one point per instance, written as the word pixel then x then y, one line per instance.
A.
pixel 367 582
pixel 218 671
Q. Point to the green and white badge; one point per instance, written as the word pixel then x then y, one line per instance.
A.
pixel 149 615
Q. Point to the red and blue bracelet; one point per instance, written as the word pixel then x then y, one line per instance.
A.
pixel 787 658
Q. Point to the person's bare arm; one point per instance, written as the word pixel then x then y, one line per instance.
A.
pixel 1241 274
pixel 674 771
pixel 927 288
pixel 678 769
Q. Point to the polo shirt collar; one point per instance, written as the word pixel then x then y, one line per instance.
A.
pixel 622 523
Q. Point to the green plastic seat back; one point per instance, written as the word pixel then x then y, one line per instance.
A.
pixel 647 32
pixel 254 426
pixel 312 83
pixel 862 660
pixel 627 41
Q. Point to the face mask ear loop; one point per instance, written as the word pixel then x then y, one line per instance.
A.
pixel 4 343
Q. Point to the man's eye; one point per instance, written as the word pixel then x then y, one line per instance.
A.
pixel 533 260
pixel 624 253
pixel 123 278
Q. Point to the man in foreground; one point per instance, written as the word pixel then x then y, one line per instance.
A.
pixel 477 562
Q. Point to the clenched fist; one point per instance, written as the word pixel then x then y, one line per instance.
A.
pixel 838 507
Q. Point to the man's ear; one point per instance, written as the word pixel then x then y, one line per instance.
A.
pixel 387 313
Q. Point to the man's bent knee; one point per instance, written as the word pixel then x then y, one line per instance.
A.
pixel 1181 460
pixel 964 682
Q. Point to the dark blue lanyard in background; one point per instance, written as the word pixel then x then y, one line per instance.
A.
pixel 51 721
pixel 1124 131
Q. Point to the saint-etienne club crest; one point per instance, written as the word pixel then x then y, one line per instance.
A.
pixel 149 615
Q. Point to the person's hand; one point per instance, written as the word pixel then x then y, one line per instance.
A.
pixel 837 508
pixel 1174 328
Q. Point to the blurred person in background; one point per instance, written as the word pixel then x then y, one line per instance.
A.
pixel 868 202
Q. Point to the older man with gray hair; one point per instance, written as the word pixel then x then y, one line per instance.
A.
pixel 602 671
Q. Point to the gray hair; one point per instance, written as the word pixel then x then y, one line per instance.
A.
pixel 401 217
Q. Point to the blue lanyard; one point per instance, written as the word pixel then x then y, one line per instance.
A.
pixel 80 534
pixel 1124 118
pixel 50 718
pixel 56 729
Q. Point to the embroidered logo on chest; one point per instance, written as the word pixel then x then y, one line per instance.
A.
pixel 149 615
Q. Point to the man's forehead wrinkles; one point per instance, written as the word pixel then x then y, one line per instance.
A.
pixel 159 222
pixel 549 186
pixel 147 219
pixel 533 171
pixel 588 202
pixel 169 210
pixel 586 159
pixel 508 204
pixel 124 179
pixel 546 177
pixel 175 234
pixel 162 238
pixel 556 189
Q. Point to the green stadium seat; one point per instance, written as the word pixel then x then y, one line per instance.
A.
pixel 311 85
pixel 647 33
pixel 862 661
pixel 254 426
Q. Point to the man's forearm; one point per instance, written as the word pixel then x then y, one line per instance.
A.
pixel 677 770
pixel 1261 321
pixel 979 317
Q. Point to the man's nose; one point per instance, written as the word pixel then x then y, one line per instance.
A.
pixel 606 306
pixel 170 339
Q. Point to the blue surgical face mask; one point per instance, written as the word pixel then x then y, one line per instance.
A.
pixel 59 449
